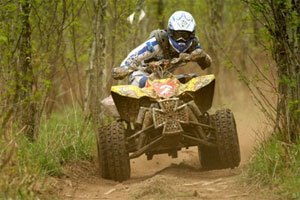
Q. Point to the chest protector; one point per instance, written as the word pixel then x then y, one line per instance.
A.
pixel 168 51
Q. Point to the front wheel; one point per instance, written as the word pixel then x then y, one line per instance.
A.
pixel 112 153
pixel 227 153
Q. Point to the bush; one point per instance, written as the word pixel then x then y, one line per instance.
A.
pixel 277 164
pixel 63 138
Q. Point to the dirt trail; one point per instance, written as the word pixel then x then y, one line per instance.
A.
pixel 167 178
pixel 162 180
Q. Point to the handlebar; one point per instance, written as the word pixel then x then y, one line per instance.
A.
pixel 160 67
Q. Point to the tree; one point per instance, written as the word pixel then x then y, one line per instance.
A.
pixel 25 76
pixel 281 18
pixel 97 71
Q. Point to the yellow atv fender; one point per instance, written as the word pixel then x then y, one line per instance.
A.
pixel 129 98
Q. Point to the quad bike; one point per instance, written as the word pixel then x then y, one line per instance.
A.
pixel 168 114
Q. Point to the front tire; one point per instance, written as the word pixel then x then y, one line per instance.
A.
pixel 113 156
pixel 227 153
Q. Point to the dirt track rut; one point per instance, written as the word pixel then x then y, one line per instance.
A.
pixel 162 178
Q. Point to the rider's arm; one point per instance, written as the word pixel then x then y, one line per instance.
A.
pixel 201 57
pixel 197 54
pixel 145 51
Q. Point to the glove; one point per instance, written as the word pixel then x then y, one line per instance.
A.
pixel 185 57
pixel 197 54
pixel 119 73
pixel 201 57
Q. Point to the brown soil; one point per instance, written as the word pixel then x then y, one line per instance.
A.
pixel 159 179
pixel 167 178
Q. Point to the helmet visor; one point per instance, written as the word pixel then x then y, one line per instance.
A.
pixel 181 35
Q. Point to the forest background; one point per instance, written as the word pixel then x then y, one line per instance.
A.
pixel 56 59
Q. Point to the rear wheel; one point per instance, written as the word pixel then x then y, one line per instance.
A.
pixel 227 153
pixel 113 156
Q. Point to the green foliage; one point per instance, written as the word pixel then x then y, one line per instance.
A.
pixel 277 164
pixel 289 81
pixel 63 138
pixel 62 34
pixel 3 39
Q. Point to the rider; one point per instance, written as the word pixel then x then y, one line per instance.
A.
pixel 178 40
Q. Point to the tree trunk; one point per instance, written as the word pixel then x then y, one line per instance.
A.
pixel 97 72
pixel 25 77
pixel 287 56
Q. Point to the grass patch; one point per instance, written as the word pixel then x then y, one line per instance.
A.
pixel 277 164
pixel 63 138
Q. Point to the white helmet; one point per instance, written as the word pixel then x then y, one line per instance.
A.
pixel 181 30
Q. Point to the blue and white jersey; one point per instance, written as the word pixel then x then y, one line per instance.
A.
pixel 147 50
pixel 152 49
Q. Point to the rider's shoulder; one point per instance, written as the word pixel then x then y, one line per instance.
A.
pixel 160 35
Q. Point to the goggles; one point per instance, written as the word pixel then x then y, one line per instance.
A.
pixel 181 35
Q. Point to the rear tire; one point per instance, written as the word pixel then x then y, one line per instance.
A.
pixel 113 156
pixel 227 153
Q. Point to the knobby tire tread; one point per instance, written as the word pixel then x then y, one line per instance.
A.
pixel 114 149
pixel 227 155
